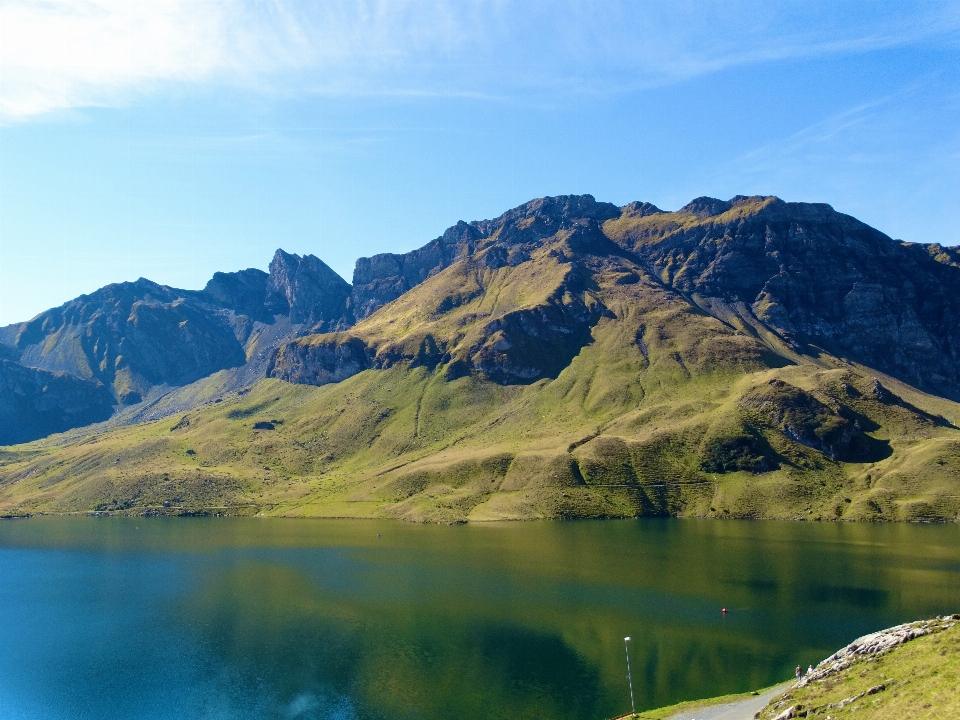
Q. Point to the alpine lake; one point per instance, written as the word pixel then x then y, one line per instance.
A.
pixel 280 618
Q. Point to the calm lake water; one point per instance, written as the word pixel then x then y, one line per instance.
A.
pixel 270 618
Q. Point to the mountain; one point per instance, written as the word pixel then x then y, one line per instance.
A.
pixel 39 402
pixel 813 276
pixel 571 358
pixel 140 339
pixel 383 278
pixel 803 277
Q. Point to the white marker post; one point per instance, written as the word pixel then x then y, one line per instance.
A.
pixel 626 647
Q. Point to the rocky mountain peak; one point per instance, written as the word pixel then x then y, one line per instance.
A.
pixel 813 275
pixel 382 278
pixel 465 234
pixel 308 290
pixel 704 207
pixel 639 209
pixel 244 291
pixel 708 207
pixel 545 216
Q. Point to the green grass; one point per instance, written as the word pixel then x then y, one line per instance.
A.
pixel 916 680
pixel 920 679
pixel 662 412
pixel 410 444
pixel 690 705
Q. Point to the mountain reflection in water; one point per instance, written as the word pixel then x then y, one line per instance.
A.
pixel 250 618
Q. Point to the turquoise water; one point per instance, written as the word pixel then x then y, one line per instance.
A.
pixel 270 618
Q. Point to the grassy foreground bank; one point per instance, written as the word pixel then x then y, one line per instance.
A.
pixel 690 706
pixel 910 671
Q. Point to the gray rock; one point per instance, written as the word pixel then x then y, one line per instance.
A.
pixel 35 403
pixel 243 292
pixel 874 644
pixel 383 278
pixel 308 291
pixel 330 359
pixel 814 275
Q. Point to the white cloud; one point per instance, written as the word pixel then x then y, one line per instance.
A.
pixel 61 54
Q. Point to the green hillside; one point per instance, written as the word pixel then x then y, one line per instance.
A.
pixel 917 679
pixel 614 434
pixel 909 671
pixel 561 379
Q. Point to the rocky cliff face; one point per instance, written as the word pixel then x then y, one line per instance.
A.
pixel 35 403
pixel 136 337
pixel 308 292
pixel 814 276
pixel 514 299
pixel 243 292
pixel 382 278
pixel 329 359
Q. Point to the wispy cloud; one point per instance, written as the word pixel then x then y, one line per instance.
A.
pixel 879 132
pixel 62 54
pixel 688 39
pixel 890 162
pixel 820 139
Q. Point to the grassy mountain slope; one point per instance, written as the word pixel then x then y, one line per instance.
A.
pixel 918 678
pixel 561 375
pixel 671 423
pixel 142 341
pixel 909 671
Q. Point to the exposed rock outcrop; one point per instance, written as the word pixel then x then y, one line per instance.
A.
pixel 243 292
pixel 876 677
pixel 814 275
pixel 308 291
pixel 875 644
pixel 803 418
pixel 321 360
pixel 383 278
pixel 35 403
pixel 532 343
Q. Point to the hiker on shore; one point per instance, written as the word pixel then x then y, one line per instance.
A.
pixel 799 672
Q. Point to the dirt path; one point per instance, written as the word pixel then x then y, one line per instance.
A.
pixel 740 710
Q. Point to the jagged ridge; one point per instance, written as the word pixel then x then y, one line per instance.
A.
pixel 570 358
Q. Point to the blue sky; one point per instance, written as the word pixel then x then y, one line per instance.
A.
pixel 173 139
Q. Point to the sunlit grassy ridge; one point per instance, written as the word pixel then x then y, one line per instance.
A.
pixel 918 679
pixel 615 434
pixel 648 403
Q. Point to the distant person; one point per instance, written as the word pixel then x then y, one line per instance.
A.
pixel 799 672
pixel 809 669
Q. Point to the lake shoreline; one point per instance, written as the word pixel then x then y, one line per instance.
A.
pixel 833 678
pixel 252 511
